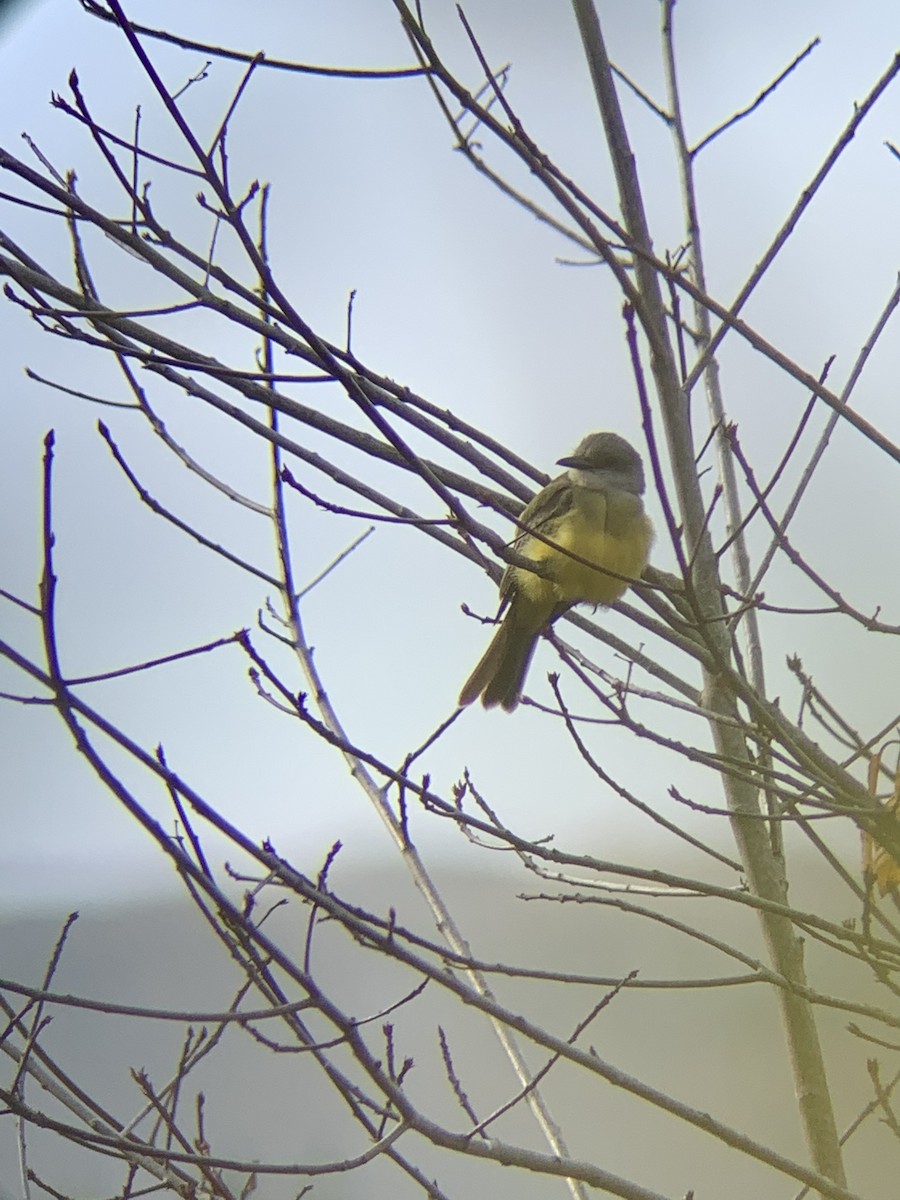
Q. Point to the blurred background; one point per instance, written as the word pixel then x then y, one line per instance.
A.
pixel 473 304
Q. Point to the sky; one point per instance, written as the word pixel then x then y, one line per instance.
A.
pixel 474 305
pixel 471 303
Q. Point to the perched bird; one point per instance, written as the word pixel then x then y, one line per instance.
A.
pixel 593 510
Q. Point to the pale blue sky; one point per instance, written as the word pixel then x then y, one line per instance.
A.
pixel 460 296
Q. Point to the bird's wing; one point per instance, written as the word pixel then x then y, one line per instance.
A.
pixel 541 514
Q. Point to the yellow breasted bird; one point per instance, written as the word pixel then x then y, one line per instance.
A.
pixel 593 510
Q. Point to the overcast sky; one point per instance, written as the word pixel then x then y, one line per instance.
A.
pixel 463 297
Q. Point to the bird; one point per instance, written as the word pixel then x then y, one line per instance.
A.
pixel 593 510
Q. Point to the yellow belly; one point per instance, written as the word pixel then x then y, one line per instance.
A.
pixel 612 532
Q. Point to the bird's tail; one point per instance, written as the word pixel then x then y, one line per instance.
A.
pixel 500 674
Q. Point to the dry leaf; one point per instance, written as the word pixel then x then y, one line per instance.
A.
pixel 880 868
